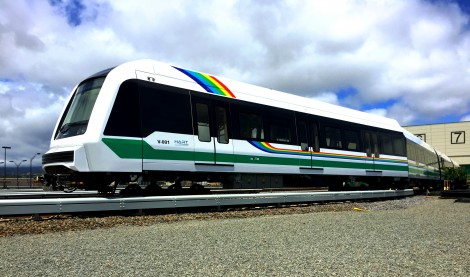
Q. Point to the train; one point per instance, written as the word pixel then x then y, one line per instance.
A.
pixel 144 124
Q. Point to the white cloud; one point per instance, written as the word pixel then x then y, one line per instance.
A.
pixel 328 97
pixel 465 118
pixel 380 112
pixel 411 53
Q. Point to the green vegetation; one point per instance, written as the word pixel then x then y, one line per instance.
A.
pixel 457 176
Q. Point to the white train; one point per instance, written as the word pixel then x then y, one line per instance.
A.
pixel 146 121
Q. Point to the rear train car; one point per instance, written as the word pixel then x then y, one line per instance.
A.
pixel 147 123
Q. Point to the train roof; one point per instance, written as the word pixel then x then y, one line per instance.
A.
pixel 417 140
pixel 172 75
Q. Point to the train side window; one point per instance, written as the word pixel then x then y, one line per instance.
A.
pixel 399 146
pixel 371 144
pixel 165 109
pixel 221 124
pixel 279 131
pixel 392 145
pixel 387 144
pixel 351 140
pixel 413 151
pixel 124 119
pixel 333 138
pixel 251 126
pixel 375 145
pixel 367 145
pixel 203 127
pixel 421 155
pixel 304 132
pixel 316 139
pixel 303 138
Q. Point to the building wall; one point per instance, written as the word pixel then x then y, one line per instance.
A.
pixel 453 139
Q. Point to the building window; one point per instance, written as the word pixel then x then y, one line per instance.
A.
pixel 421 136
pixel 457 137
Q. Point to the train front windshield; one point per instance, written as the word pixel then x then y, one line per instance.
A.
pixel 75 119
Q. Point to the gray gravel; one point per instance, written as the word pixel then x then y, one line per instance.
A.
pixel 428 237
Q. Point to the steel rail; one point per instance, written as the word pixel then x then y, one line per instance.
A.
pixel 73 205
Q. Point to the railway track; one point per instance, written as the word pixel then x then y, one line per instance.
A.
pixel 39 194
pixel 61 205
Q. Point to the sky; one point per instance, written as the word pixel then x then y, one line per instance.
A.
pixel 404 59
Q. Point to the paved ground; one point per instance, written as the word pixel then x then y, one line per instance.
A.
pixel 428 239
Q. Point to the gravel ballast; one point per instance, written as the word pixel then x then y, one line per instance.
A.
pixel 418 236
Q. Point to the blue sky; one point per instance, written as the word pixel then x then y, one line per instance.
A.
pixel 464 5
pixel 72 10
pixel 404 59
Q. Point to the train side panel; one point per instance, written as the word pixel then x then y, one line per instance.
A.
pixel 151 118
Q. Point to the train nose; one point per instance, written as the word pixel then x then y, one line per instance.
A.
pixel 63 160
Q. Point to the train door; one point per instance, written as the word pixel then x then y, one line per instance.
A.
pixel 213 145
pixel 371 146
pixel 166 127
pixel 309 143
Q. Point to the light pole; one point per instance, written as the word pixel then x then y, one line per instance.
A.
pixel 31 169
pixel 5 167
pixel 17 171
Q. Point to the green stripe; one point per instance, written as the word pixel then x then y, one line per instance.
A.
pixel 132 149
pixel 208 82
pixel 423 171
pixel 125 148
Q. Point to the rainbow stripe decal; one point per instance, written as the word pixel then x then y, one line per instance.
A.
pixel 266 147
pixel 208 82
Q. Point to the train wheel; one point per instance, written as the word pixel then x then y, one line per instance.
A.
pixel 153 189
pixel 132 190
pixel 108 189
